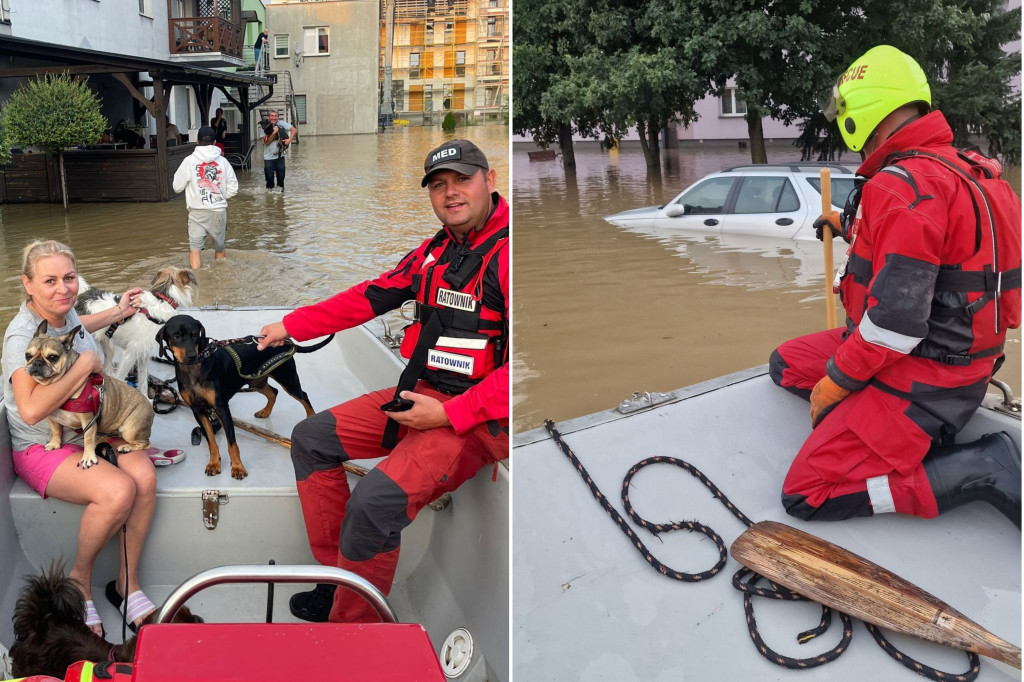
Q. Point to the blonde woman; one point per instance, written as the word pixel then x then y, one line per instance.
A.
pixel 113 497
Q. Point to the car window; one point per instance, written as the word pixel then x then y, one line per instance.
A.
pixel 761 194
pixel 707 196
pixel 841 188
pixel 788 201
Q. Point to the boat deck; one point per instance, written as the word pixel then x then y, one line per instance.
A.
pixel 589 607
pixel 438 583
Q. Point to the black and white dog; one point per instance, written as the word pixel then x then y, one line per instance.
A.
pixel 136 336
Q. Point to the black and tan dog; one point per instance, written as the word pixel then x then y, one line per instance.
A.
pixel 50 631
pixel 210 372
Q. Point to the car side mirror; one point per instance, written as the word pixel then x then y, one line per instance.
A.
pixel 675 210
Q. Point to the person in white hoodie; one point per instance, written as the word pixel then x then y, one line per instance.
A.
pixel 208 181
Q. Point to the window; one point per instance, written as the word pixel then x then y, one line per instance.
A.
pixel 732 103
pixel 280 46
pixel 179 9
pixel 766 195
pixel 300 108
pixel 460 63
pixel 430 33
pixel 428 98
pixel 449 32
pixel 414 65
pixel 398 94
pixel 841 189
pixel 315 41
pixel 707 197
pixel 492 3
pixel 492 26
pixel 5 11
pixel 146 8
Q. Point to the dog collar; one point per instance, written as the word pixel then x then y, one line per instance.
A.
pixel 166 299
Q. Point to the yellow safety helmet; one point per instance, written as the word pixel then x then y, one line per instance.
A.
pixel 877 84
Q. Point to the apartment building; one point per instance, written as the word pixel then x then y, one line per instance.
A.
pixel 440 56
pixel 323 54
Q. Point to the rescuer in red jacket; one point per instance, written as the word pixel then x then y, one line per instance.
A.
pixel 455 386
pixel 930 285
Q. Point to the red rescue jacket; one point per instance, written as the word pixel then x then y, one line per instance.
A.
pixel 419 276
pixel 931 282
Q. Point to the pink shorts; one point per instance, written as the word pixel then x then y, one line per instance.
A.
pixel 35 465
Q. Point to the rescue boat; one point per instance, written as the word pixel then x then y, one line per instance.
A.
pixel 589 605
pixel 235 551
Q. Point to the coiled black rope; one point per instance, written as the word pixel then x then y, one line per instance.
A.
pixel 745 579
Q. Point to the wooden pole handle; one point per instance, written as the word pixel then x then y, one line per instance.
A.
pixel 286 442
pixel 826 240
pixel 439 504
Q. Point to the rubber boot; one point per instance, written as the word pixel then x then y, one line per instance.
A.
pixel 314 605
pixel 987 470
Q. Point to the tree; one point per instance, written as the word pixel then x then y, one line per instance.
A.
pixel 959 45
pixel 548 34
pixel 54 112
pixel 630 75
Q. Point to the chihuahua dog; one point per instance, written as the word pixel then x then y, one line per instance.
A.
pixel 103 405
pixel 134 336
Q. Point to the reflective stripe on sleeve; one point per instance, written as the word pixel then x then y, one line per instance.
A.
pixel 886 338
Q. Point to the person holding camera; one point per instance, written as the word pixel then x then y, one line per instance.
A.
pixel 447 417
pixel 277 136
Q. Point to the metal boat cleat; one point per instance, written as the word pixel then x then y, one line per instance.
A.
pixel 1008 405
pixel 643 401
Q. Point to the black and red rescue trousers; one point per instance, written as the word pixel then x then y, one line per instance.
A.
pixel 864 457
pixel 360 530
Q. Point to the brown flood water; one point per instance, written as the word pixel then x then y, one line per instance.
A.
pixel 600 312
pixel 353 208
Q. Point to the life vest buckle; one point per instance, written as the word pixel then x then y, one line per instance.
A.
pixel 407 315
pixel 956 360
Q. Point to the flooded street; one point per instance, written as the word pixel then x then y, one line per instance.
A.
pixel 600 312
pixel 353 208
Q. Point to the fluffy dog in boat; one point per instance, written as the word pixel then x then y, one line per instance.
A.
pixel 209 373
pixel 122 410
pixel 50 631
pixel 135 336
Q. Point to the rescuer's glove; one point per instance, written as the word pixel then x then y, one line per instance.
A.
pixel 833 222
pixel 826 395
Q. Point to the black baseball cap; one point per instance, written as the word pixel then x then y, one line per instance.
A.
pixel 206 135
pixel 458 155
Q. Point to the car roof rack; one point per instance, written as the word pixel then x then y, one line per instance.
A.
pixel 796 167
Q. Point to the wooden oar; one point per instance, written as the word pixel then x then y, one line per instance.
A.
pixel 825 177
pixel 437 505
pixel 831 575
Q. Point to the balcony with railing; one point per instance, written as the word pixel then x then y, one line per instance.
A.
pixel 214 40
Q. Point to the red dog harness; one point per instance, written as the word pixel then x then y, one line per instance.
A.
pixel 89 399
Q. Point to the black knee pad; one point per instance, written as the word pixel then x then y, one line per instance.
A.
pixel 375 517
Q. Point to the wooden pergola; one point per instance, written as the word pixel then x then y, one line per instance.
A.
pixel 34 58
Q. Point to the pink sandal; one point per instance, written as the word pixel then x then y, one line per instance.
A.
pixel 166 457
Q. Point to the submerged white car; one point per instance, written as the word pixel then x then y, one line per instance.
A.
pixel 764 200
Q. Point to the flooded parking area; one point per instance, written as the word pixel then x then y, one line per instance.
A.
pixel 600 312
